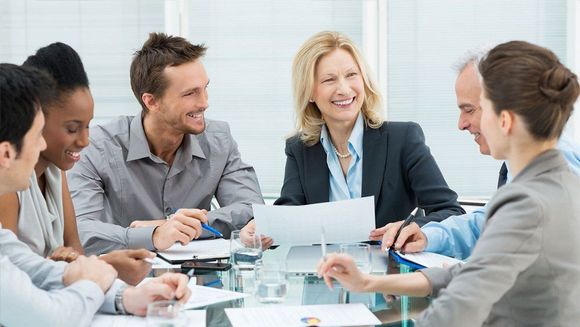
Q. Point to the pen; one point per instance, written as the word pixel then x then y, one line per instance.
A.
pixel 211 229
pixel 406 223
pixel 322 243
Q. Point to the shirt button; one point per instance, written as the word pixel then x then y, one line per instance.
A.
pixel 168 210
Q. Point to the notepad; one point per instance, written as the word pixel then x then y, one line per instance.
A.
pixel 214 249
pixel 424 259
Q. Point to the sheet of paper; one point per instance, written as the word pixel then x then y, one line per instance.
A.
pixel 355 314
pixel 196 319
pixel 344 221
pixel 202 296
pixel 159 263
pixel 203 249
pixel 429 259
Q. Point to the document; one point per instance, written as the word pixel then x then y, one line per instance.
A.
pixel 202 296
pixel 355 314
pixel 201 250
pixel 425 259
pixel 344 221
pixel 196 318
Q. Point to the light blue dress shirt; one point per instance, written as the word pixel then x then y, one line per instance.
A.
pixel 342 188
pixel 456 235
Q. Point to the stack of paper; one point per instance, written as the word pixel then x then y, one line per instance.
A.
pixel 197 250
pixel 202 296
pixel 355 314
pixel 196 318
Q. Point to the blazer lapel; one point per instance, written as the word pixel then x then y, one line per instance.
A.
pixel 374 161
pixel 316 174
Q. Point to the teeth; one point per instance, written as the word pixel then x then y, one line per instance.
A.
pixel 75 155
pixel 198 115
pixel 344 102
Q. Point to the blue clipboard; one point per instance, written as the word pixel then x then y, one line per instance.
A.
pixel 404 261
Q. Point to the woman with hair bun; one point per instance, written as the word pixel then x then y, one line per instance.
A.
pixel 525 268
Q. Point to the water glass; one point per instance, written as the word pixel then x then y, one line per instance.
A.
pixel 361 253
pixel 166 314
pixel 271 282
pixel 245 250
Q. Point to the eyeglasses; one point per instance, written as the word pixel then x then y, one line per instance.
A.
pixel 469 109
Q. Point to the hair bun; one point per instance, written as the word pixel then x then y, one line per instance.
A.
pixel 559 85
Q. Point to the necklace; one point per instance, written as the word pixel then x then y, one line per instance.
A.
pixel 340 155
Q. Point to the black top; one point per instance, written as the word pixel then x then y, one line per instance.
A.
pixel 398 169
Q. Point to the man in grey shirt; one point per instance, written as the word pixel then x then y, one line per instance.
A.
pixel 139 170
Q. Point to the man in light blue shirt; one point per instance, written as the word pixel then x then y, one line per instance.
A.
pixel 456 236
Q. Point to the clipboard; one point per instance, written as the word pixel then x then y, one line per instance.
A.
pixel 198 250
pixel 405 262
pixel 423 260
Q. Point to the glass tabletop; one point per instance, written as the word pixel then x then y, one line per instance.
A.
pixel 307 290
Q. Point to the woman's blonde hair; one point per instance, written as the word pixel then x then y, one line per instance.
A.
pixel 308 117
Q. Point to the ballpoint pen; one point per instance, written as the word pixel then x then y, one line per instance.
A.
pixel 211 229
pixel 406 223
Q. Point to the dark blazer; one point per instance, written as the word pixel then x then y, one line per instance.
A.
pixel 398 169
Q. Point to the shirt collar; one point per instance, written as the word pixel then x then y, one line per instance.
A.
pixel 139 148
pixel 355 140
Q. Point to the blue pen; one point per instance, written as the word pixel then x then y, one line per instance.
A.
pixel 211 229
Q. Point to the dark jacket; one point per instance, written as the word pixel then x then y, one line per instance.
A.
pixel 398 169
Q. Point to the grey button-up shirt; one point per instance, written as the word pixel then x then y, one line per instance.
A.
pixel 118 180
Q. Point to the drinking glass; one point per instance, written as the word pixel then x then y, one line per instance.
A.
pixel 166 314
pixel 361 253
pixel 271 282
pixel 245 250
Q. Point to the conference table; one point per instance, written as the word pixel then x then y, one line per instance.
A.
pixel 307 290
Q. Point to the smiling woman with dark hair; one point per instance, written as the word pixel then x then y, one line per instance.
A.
pixel 43 216
pixel 525 268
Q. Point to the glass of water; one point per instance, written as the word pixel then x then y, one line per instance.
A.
pixel 245 250
pixel 361 253
pixel 271 282
pixel 166 314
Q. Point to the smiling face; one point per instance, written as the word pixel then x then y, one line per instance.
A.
pixel 67 128
pixel 338 88
pixel 185 100
pixel 467 91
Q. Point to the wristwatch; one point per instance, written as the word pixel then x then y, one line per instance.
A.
pixel 119 307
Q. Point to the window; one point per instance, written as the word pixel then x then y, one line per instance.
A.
pixel 425 38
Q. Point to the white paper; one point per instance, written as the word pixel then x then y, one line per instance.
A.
pixel 196 319
pixel 159 263
pixel 344 221
pixel 355 314
pixel 429 259
pixel 202 296
pixel 203 249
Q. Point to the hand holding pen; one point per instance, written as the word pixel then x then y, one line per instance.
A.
pixel 404 235
pixel 182 226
